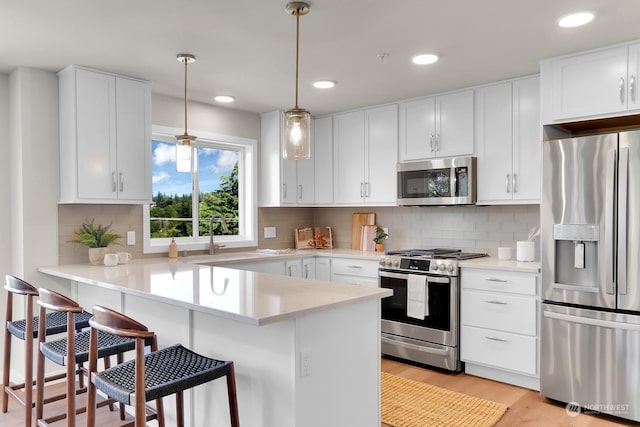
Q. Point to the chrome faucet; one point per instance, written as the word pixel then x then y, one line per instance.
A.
pixel 225 228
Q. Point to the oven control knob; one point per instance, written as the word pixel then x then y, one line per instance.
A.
pixel 450 268
pixel 396 263
pixel 442 267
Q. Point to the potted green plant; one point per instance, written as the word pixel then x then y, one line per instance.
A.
pixel 97 238
pixel 380 238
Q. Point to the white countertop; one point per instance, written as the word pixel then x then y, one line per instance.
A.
pixel 223 258
pixel 498 264
pixel 254 298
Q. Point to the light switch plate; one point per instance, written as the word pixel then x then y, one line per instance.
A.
pixel 131 238
pixel 269 232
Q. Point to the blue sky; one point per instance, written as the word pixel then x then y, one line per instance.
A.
pixel 212 164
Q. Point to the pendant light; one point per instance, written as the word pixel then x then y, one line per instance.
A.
pixel 184 162
pixel 297 121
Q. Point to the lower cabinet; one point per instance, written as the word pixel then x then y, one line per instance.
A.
pixel 323 268
pixel 271 267
pixel 354 270
pixel 500 325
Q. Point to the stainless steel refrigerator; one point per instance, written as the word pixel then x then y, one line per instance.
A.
pixel 590 245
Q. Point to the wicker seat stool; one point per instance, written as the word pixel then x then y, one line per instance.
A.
pixel 55 323
pixel 153 376
pixel 71 351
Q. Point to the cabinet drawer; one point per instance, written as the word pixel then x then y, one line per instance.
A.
pixel 509 313
pixel 355 267
pixel 499 349
pixel 501 281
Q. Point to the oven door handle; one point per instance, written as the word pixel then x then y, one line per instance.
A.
pixel 405 276
pixel 415 347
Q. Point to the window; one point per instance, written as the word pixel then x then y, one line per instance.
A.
pixel 218 196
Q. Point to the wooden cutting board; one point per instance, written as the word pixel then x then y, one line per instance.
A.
pixel 358 220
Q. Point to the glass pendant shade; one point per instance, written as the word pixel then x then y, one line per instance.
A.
pixel 297 134
pixel 183 158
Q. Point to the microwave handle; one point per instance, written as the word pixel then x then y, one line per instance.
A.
pixel 454 182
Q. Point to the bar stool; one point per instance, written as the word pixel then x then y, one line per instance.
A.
pixel 149 377
pixel 71 351
pixel 55 323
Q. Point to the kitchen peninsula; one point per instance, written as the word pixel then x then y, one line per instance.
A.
pixel 307 352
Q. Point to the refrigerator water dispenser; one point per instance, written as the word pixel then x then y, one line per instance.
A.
pixel 576 247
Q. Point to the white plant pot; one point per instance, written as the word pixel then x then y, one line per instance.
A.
pixel 96 255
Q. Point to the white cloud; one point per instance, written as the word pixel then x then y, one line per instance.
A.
pixel 227 160
pixel 164 153
pixel 161 176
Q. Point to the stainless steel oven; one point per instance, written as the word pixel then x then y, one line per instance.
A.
pixel 432 339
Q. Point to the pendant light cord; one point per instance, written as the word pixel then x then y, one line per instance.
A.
pixel 185 97
pixel 297 51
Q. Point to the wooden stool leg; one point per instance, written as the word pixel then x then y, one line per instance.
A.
pixel 6 366
pixel 160 412
pixel 28 368
pixel 233 397
pixel 179 409
pixel 40 369
pixel 121 406
pixel 71 372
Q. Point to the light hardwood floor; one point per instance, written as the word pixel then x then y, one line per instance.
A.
pixel 526 407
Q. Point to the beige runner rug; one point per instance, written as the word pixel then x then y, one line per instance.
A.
pixel 408 403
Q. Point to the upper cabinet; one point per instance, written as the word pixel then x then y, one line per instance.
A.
pixel 282 182
pixel 508 142
pixel 438 126
pixel 322 146
pixel 596 84
pixel 365 156
pixel 105 137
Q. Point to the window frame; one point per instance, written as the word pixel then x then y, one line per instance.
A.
pixel 247 194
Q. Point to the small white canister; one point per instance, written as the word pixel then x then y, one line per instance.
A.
pixel 504 253
pixel 525 251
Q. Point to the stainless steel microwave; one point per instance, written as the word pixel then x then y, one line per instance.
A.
pixel 437 182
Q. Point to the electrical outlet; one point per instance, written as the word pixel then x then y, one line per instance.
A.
pixel 269 232
pixel 385 229
pixel 131 238
pixel 305 363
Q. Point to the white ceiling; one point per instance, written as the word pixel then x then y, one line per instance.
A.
pixel 246 48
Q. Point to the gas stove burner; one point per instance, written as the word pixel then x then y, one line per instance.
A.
pixel 437 253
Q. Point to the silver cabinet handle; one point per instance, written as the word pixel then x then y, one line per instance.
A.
pixel 431 142
pixel 437 141
pixel 506 183
pixel 121 175
pixel 621 90
pixel 495 279
pixel 306 271
pixel 492 301
pixel 362 189
pixel 366 189
pixel 284 190
pixel 354 266
pixel 113 182
pixel 632 88
pixel 300 191
pixel 496 339
pixel 513 180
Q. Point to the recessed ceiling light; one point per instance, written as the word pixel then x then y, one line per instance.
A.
pixel 424 59
pixel 224 98
pixel 324 84
pixel 575 19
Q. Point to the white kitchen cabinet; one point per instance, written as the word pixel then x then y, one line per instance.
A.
pixel 355 270
pixel 499 325
pixel 105 137
pixel 323 268
pixel 308 268
pixel 271 267
pixel 508 142
pixel 594 84
pixel 365 156
pixel 438 126
pixel 282 182
pixel 323 159
pixel 293 267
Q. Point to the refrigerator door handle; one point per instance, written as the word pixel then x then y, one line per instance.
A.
pixel 609 213
pixel 593 322
pixel 623 196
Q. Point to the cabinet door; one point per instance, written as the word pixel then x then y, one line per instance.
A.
pixel 288 187
pixel 527 140
pixel 493 137
pixel 323 151
pixel 96 135
pixel 309 268
pixel 270 159
pixel 349 160
pixel 323 268
pixel 133 105
pixel 590 84
pixel 454 124
pixel 382 154
pixel 417 129
pixel 305 190
pixel 293 267
pixel 633 102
